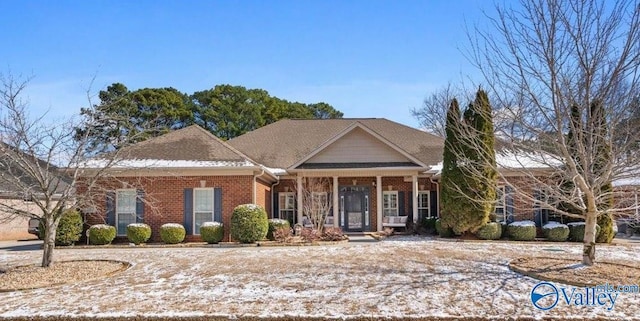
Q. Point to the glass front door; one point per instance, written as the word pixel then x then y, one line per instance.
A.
pixel 354 209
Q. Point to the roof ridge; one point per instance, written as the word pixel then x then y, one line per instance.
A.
pixel 225 144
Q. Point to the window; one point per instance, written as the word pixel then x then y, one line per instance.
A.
pixel 423 204
pixel 500 210
pixel 202 207
pixel 286 207
pixel 125 209
pixel 319 203
pixel 390 203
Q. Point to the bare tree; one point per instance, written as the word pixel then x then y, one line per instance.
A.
pixel 44 159
pixel 316 203
pixel 544 58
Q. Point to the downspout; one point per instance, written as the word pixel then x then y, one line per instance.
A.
pixel 273 201
pixel 437 193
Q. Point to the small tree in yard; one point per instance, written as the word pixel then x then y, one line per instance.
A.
pixel 452 201
pixel 549 63
pixel 316 203
pixel 43 159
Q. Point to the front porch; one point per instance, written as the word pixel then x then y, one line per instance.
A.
pixel 363 203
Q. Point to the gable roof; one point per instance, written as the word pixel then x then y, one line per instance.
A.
pixel 287 142
pixel 192 144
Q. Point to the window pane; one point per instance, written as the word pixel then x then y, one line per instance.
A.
pixel 423 212
pixel 204 200
pixel 500 214
pixel 201 218
pixel 126 201
pixel 500 196
pixel 423 200
pixel 123 221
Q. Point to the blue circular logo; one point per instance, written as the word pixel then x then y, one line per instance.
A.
pixel 544 296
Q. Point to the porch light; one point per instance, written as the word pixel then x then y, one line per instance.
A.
pixel 355 182
pixel 390 187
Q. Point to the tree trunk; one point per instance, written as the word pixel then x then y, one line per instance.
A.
pixel 49 242
pixel 589 248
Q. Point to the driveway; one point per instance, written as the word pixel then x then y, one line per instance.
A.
pixel 398 277
pixel 10 246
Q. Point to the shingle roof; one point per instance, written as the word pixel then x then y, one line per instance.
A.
pixel 285 142
pixel 15 181
pixel 191 143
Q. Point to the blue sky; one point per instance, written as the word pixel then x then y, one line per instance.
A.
pixel 366 58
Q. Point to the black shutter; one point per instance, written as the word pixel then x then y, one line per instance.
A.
pixel 509 203
pixel 276 205
pixel 111 208
pixel 217 204
pixel 188 210
pixel 401 204
pixel 410 209
pixel 433 203
pixel 139 206
pixel 330 200
pixel 537 211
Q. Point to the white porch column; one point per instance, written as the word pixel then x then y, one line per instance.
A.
pixel 299 199
pixel 414 194
pixel 336 204
pixel 379 201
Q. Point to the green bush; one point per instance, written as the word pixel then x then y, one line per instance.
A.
pixel 101 234
pixel 505 232
pixel 275 224
pixel 212 232
pixel 138 233
pixel 249 223
pixel 490 231
pixel 555 231
pixel 576 231
pixel 172 233
pixel 442 231
pixel 522 230
pixel 428 224
pixel 69 229
pixel 607 231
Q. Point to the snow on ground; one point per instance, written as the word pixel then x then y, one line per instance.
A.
pixel 399 277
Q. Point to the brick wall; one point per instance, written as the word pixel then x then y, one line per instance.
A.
pixel 263 196
pixel 165 198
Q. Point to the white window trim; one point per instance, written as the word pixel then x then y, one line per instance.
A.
pixel 428 208
pixel 213 207
pixel 281 210
pixel 118 191
pixel 397 208
pixel 504 204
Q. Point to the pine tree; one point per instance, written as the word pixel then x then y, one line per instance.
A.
pixel 451 199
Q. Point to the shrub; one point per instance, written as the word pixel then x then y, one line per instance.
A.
pixel 309 235
pixel 505 232
pixel 576 231
pixel 212 232
pixel 442 231
pixel 101 234
pixel 138 233
pixel 275 224
pixel 522 230
pixel 490 231
pixel 607 231
pixel 69 228
pixel 249 223
pixel 555 231
pixel 172 233
pixel 332 234
pixel 282 235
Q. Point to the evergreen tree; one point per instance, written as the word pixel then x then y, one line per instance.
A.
pixel 451 199
pixel 599 132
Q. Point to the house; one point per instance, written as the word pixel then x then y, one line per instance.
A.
pixel 373 173
pixel 19 190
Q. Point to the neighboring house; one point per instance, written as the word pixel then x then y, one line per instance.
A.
pixel 17 191
pixel 376 173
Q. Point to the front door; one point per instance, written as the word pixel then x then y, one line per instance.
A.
pixel 354 209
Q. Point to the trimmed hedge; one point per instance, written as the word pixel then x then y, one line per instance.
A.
pixel 522 230
pixel 172 233
pixel 212 232
pixel 138 233
pixel 555 231
pixel 576 231
pixel 69 228
pixel 274 225
pixel 101 234
pixel 503 226
pixel 490 231
pixel 442 231
pixel 249 223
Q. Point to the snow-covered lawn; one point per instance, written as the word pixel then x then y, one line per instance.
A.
pixel 399 277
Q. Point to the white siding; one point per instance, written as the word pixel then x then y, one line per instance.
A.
pixel 358 146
